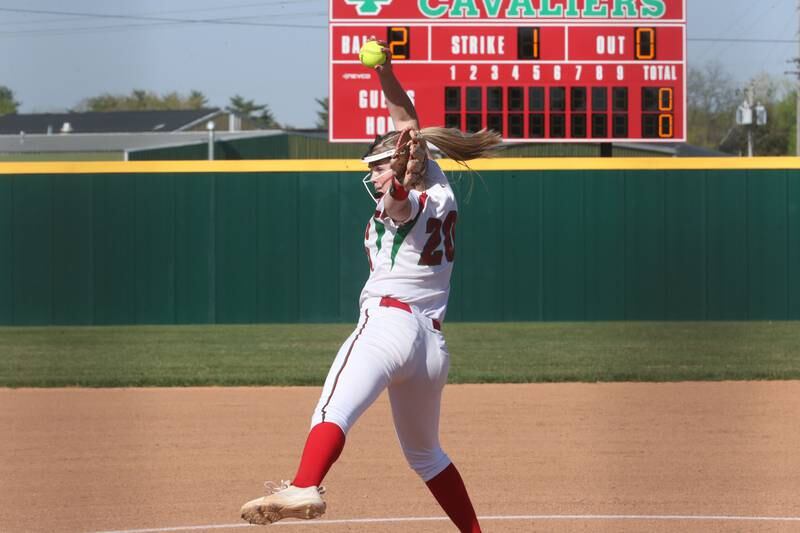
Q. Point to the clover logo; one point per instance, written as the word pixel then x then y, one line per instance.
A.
pixel 368 7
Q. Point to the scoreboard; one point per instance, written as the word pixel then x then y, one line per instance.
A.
pixel 532 70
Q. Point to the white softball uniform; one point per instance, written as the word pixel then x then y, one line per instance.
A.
pixel 397 343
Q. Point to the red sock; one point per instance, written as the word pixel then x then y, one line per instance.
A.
pixel 449 490
pixel 323 446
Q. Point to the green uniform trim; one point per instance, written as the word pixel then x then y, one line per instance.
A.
pixel 403 231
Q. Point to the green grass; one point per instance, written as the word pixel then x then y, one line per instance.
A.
pixel 301 354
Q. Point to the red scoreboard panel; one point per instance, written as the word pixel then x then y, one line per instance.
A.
pixel 533 70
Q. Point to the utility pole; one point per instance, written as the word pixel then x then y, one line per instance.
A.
pixel 750 127
pixel 796 73
pixel 751 114
pixel 745 117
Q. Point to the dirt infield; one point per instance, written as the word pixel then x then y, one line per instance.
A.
pixel 554 458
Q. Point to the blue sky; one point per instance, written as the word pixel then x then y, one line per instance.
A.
pixel 52 61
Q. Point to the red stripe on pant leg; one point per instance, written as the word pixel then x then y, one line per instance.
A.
pixel 326 440
pixel 346 358
pixel 449 490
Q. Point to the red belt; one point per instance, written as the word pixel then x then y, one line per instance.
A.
pixel 388 301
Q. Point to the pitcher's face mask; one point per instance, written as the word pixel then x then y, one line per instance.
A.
pixel 367 181
pixel 370 186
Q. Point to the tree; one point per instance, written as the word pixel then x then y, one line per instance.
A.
pixel 7 103
pixel 786 109
pixel 712 102
pixel 258 113
pixel 196 100
pixel 322 114
pixel 141 100
pixel 245 108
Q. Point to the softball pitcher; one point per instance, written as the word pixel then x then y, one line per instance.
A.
pixel 398 343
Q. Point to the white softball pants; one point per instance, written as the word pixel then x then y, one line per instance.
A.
pixel 391 348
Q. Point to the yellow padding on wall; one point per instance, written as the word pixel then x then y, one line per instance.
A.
pixel 355 165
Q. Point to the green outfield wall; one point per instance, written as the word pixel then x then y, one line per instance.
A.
pixel 282 241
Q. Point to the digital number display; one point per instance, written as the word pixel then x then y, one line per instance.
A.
pixel 399 42
pixel 527 43
pixel 530 78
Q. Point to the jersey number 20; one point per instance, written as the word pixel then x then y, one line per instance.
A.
pixel 431 254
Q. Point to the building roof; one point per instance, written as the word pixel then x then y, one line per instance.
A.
pixel 115 142
pixel 105 122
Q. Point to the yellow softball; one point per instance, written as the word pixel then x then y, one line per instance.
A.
pixel 371 54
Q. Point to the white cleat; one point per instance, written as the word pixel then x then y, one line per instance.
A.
pixel 285 501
